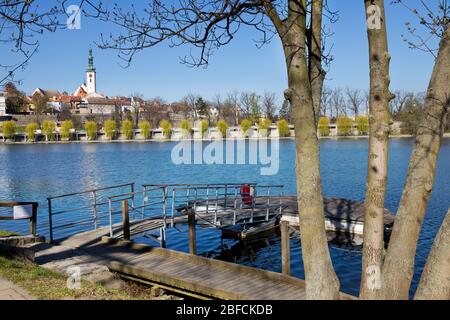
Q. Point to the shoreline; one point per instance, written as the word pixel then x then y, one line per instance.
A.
pixel 446 135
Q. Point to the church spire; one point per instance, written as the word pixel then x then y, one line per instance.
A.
pixel 91 75
pixel 90 61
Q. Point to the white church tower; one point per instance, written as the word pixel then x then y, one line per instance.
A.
pixel 91 81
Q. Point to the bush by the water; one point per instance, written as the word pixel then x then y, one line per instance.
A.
pixel 66 127
pixel 245 126
pixel 283 128
pixel 264 125
pixel 324 126
pixel 362 124
pixel 222 126
pixel 48 129
pixel 110 128
pixel 204 126
pixel 9 129
pixel 145 129
pixel 344 126
pixel 30 131
pixel 166 127
pixel 91 129
pixel 127 129
pixel 186 128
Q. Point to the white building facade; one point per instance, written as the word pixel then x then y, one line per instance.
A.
pixel 2 105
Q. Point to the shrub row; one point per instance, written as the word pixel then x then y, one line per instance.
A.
pixel 111 131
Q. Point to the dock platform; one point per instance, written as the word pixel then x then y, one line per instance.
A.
pixel 119 217
pixel 177 271
pixel 341 215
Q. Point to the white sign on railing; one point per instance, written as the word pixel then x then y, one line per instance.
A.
pixel 23 212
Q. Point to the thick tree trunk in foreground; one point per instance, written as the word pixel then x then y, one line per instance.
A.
pixel 398 266
pixel 435 281
pixel 321 280
pixel 380 96
pixel 316 72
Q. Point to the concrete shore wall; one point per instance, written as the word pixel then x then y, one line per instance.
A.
pixel 176 135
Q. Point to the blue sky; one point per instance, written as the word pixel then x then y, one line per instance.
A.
pixel 62 59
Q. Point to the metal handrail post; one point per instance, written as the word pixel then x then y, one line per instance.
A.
pixel 217 205
pixel 110 218
pixel 33 220
pixel 253 203
pixel 94 211
pixel 268 203
pixel 162 235
pixel 173 207
pixel 207 199
pixel 281 201
pixel 144 202
pixel 164 206
pixel 132 201
pixel 195 200
pixel 50 219
pixel 226 194
pixel 235 206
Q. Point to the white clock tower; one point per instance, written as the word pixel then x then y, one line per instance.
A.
pixel 91 84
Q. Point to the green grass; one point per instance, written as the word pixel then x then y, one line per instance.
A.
pixel 50 285
pixel 4 233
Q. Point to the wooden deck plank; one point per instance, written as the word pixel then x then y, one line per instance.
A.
pixel 207 277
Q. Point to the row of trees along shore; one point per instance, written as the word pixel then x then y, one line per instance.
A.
pixel 337 103
pixel 301 27
pixel 67 130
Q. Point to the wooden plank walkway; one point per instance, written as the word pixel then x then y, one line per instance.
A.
pixel 198 275
pixel 189 273
pixel 208 277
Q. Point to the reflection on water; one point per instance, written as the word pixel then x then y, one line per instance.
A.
pixel 34 172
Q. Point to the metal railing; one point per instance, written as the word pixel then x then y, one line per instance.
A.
pixel 22 213
pixel 214 204
pixel 150 203
pixel 226 199
pixel 81 211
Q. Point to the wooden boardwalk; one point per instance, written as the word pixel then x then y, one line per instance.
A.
pixel 179 271
pixel 208 277
pixel 189 273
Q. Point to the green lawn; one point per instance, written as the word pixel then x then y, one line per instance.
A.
pixel 49 285
pixel 4 233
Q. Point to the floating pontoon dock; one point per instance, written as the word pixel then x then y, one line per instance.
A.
pixel 96 226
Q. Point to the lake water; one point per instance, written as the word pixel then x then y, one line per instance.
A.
pixel 34 172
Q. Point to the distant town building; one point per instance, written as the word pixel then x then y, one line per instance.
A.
pixel 85 100
pixel 214 112
pixel 81 91
pixel 46 93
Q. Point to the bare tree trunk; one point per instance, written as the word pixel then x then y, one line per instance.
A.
pixel 435 281
pixel 316 72
pixel 380 96
pixel 398 266
pixel 321 280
